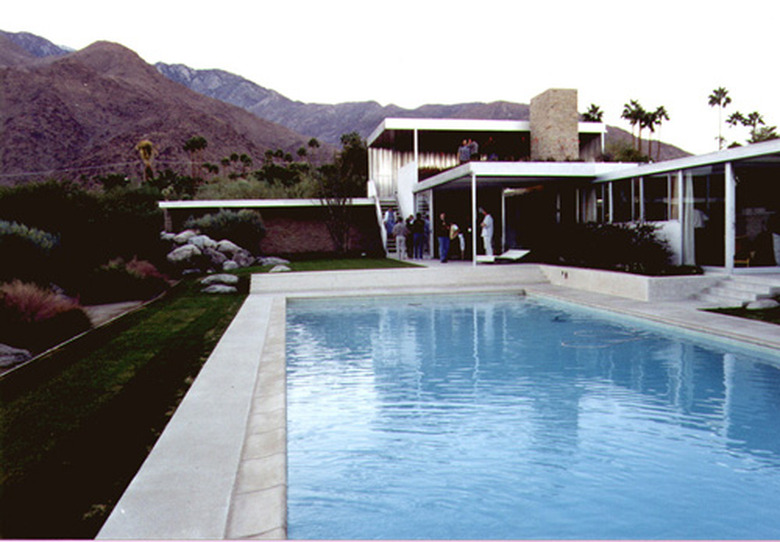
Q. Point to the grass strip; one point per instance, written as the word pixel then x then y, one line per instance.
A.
pixel 76 425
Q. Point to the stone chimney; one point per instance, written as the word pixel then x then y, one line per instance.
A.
pixel 554 126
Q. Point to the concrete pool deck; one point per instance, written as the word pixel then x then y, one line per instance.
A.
pixel 218 470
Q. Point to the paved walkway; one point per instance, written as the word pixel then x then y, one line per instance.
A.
pixel 219 469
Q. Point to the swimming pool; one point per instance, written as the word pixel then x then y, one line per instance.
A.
pixel 506 417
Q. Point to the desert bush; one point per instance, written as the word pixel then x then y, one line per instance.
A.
pixel 92 226
pixel 36 318
pixel 119 280
pixel 245 228
pixel 26 252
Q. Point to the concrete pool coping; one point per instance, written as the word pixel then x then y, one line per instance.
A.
pixel 218 470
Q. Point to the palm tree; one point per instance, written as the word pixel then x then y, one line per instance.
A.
pixel 657 118
pixel 195 146
pixel 719 97
pixel 634 113
pixel 753 120
pixel 593 114
pixel 147 151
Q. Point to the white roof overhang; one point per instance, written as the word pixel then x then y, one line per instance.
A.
pixel 518 173
pixel 757 153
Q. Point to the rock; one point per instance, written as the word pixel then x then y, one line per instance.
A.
pixel 273 260
pixel 243 258
pixel 222 278
pixel 228 247
pixel 10 356
pixel 202 241
pixel 219 289
pixel 216 257
pixel 762 304
pixel 279 269
pixel 167 236
pixel 230 265
pixel 182 237
pixel 183 253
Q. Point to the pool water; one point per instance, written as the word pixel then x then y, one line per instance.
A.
pixel 506 417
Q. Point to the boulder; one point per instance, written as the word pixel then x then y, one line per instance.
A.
pixel 222 278
pixel 279 269
pixel 228 247
pixel 762 304
pixel 219 289
pixel 182 237
pixel 230 265
pixel 202 241
pixel 183 254
pixel 273 260
pixel 167 236
pixel 243 258
pixel 10 356
pixel 216 257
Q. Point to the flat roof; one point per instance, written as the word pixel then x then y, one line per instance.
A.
pixel 521 172
pixel 767 152
pixel 467 125
pixel 251 203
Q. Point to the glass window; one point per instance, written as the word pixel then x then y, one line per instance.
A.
pixel 656 191
pixel 622 200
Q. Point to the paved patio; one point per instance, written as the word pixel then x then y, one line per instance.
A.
pixel 219 469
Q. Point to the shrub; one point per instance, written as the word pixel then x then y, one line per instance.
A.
pixel 124 281
pixel 245 228
pixel 36 318
pixel 634 248
pixel 25 251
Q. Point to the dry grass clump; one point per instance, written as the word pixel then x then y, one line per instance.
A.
pixel 36 318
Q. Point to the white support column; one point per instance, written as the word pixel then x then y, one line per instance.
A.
pixel 730 225
pixel 503 222
pixel 610 208
pixel 473 219
pixel 416 144
pixel 641 199
pixel 681 248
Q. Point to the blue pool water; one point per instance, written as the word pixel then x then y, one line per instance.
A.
pixel 505 417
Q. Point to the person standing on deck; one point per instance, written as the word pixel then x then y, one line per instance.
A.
pixel 487 231
pixel 400 231
pixel 443 235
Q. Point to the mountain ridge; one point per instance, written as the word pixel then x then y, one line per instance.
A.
pixel 66 110
pixel 89 108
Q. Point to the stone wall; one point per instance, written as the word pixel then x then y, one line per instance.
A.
pixel 302 231
pixel 554 126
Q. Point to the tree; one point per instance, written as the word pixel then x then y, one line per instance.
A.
pixel 593 114
pixel 719 97
pixel 313 145
pixel 147 151
pixel 195 146
pixel 634 114
pixel 341 181
pixel 655 118
pixel 755 121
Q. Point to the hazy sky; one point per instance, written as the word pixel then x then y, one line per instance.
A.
pixel 412 52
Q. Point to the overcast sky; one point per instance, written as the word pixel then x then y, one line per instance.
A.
pixel 412 52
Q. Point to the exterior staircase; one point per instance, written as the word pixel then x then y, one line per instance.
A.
pixel 739 290
pixel 385 204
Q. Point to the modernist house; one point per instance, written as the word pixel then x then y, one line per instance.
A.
pixel 716 210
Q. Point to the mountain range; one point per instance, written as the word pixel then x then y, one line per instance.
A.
pixel 83 112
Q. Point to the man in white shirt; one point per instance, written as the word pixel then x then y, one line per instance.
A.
pixel 487 231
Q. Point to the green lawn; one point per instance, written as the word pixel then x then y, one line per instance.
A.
pixel 765 315
pixel 76 425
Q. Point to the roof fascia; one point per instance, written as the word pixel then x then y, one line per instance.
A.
pixel 754 150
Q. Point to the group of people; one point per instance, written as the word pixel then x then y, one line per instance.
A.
pixel 411 235
pixel 468 151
